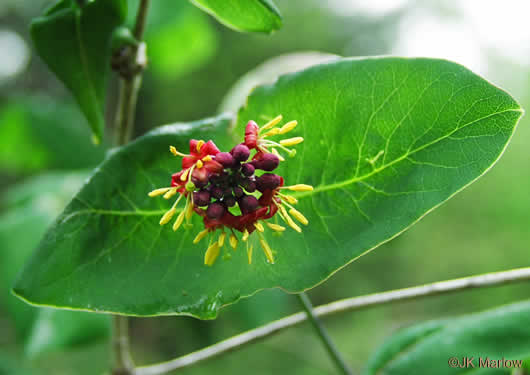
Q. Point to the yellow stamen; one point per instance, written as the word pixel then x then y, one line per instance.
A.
pixel 249 253
pixel 199 164
pixel 298 216
pixel 291 141
pixel 233 241
pixel 276 227
pixel 259 227
pixel 175 152
pixel 199 145
pixel 189 210
pixel 245 235
pixel 167 216
pixel 267 250
pixel 285 216
pixel 275 152
pixel 184 176
pixel 207 158
pixel 299 187
pixel 211 254
pixel 221 240
pixel 289 199
pixel 170 193
pixel 288 127
pixel 272 123
pixel 200 236
pixel 158 192
pixel 271 132
pixel 179 220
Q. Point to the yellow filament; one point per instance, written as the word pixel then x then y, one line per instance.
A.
pixel 199 145
pixel 291 141
pixel 299 187
pixel 207 158
pixel 167 216
pixel 189 210
pixel 179 221
pixel 267 250
pixel 275 152
pixel 200 236
pixel 245 235
pixel 289 199
pixel 271 132
pixel 289 221
pixel 272 123
pixel 199 164
pixel 158 192
pixel 298 216
pixel 276 227
pixel 288 127
pixel 221 240
pixel 170 193
pixel 184 175
pixel 249 253
pixel 259 227
pixel 233 241
pixel 211 254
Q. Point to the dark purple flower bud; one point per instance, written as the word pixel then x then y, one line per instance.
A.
pixel 238 192
pixel 229 201
pixel 226 159
pixel 268 181
pixel 248 203
pixel 201 198
pixel 240 152
pixel 268 162
pixel 247 169
pixel 249 185
pixel 217 192
pixel 215 210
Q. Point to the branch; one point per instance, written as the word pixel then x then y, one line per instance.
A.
pixel 349 304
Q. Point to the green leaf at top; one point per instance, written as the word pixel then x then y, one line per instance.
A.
pixel 244 15
pixel 386 141
pixel 75 44
pixel 427 347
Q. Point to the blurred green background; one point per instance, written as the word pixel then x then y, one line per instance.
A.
pixel 45 154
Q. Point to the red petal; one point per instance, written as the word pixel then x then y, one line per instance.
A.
pixel 251 134
pixel 188 161
pixel 209 148
pixel 213 167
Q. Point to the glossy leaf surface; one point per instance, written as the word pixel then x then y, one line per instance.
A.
pixel 386 141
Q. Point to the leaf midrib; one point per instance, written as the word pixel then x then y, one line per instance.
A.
pixel 317 189
pixel 342 184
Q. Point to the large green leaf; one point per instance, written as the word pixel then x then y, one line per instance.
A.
pixel 426 348
pixel 75 44
pixel 440 127
pixel 244 15
pixel 30 208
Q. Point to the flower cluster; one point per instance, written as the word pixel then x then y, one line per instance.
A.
pixel 234 192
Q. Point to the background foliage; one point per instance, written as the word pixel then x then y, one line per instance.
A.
pixel 482 229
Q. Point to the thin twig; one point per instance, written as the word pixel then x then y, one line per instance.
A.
pixel 123 364
pixel 322 333
pixel 129 86
pixel 349 304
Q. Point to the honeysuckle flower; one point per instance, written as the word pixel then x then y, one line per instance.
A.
pixel 234 192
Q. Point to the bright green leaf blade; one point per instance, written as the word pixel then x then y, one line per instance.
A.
pixel 387 140
pixel 30 208
pixel 455 123
pixel 75 44
pixel 244 15
pixel 426 348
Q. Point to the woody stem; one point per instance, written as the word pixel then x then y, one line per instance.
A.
pixel 323 335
